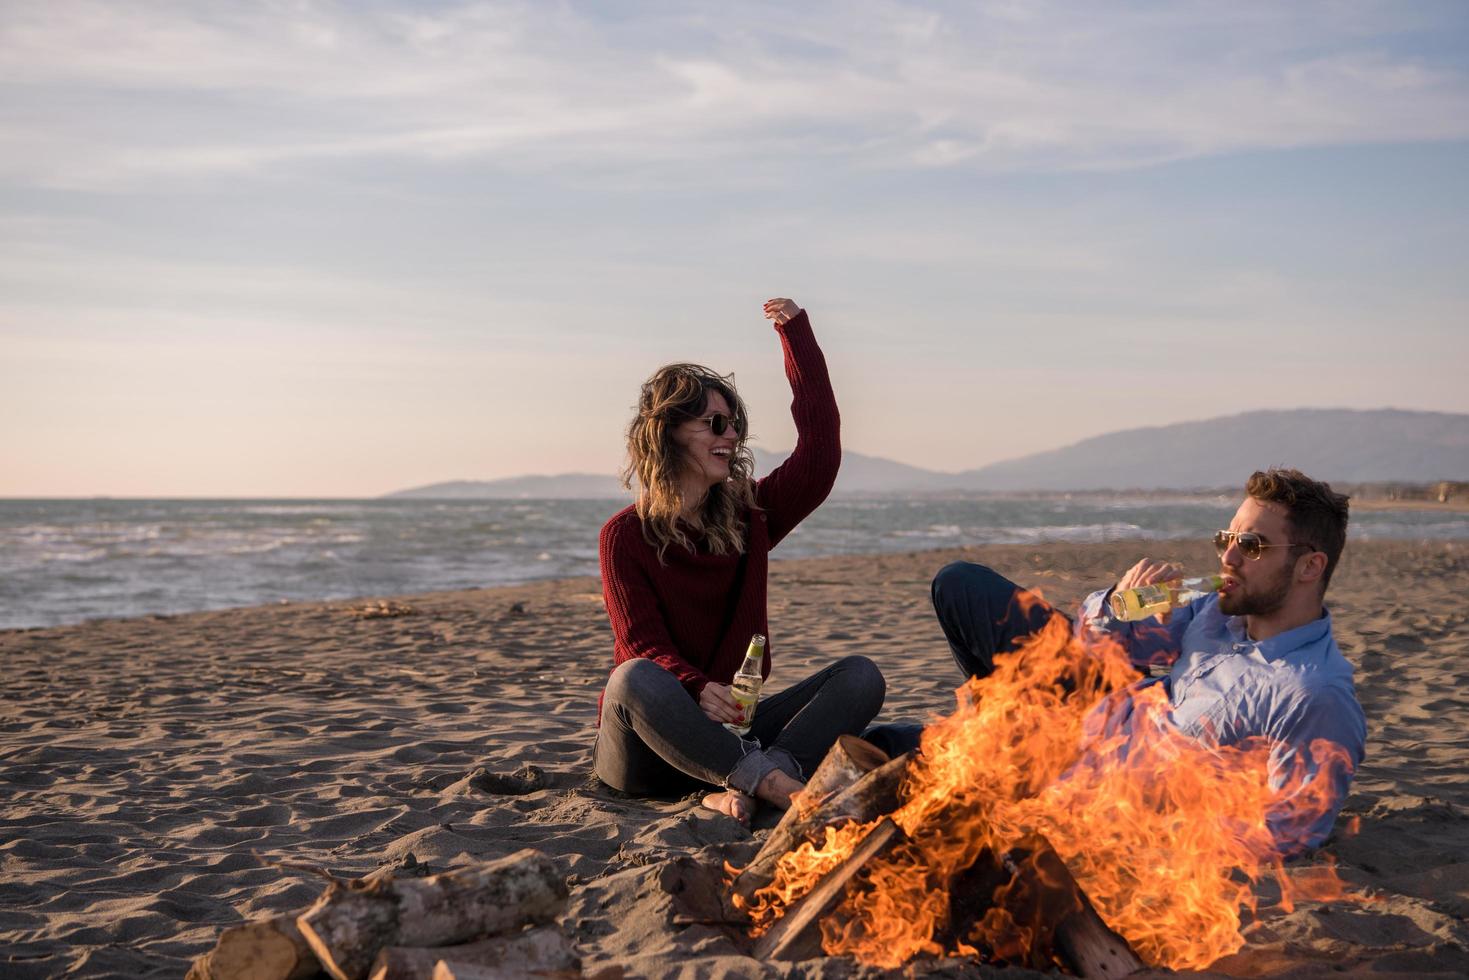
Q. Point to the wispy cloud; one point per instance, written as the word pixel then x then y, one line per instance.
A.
pixel 103 94
pixel 479 225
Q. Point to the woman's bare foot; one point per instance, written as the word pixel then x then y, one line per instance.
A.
pixel 732 803
pixel 776 789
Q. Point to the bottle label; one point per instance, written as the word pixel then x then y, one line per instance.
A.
pixel 1141 602
pixel 746 693
pixel 1151 595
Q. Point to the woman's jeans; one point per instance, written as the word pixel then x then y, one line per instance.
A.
pixel 655 740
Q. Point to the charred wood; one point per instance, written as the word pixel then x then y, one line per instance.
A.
pixel 849 759
pixel 1060 916
pixel 797 934
pixel 872 795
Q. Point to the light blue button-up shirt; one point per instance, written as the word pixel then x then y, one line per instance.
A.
pixel 1224 687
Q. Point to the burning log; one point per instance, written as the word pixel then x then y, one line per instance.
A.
pixel 1060 916
pixel 873 794
pixel 797 935
pixel 1025 909
pixel 971 896
pixel 849 759
pixel 349 924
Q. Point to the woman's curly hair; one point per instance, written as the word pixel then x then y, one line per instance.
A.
pixel 675 394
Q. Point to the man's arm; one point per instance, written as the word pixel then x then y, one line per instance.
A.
pixel 1149 642
pixel 1318 745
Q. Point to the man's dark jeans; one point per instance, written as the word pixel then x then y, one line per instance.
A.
pixel 980 616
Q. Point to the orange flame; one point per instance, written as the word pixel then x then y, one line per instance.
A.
pixel 1164 833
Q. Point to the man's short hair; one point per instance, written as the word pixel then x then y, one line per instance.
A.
pixel 1317 514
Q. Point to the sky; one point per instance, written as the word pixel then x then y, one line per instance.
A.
pixel 308 249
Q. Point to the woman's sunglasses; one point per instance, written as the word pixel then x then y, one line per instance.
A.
pixel 719 423
pixel 1249 543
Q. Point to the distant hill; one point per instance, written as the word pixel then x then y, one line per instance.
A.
pixel 859 474
pixel 1340 445
pixel 590 486
pixel 868 474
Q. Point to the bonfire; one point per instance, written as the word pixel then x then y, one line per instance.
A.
pixel 1055 818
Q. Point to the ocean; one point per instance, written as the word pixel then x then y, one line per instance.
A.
pixel 66 561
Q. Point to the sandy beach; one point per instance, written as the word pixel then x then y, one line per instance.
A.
pixel 148 765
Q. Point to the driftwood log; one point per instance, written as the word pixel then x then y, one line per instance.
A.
pixel 797 934
pixel 872 795
pixel 450 970
pixel 263 949
pixel 542 950
pixel 1062 915
pixel 848 760
pixel 349 924
pixel 273 948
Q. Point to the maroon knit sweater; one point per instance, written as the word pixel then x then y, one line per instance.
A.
pixel 672 613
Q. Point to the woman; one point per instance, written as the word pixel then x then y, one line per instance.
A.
pixel 683 575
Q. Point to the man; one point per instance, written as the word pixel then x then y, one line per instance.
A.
pixel 1255 659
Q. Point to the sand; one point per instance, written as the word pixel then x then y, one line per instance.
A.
pixel 148 765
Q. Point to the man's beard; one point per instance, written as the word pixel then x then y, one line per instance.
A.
pixel 1270 597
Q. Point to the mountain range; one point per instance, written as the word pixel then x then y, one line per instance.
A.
pixel 1339 445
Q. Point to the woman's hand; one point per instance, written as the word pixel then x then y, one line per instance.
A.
pixel 782 311
pixel 718 704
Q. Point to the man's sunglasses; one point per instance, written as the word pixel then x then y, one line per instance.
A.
pixel 719 423
pixel 1250 544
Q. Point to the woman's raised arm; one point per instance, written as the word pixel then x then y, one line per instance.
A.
pixel 799 485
